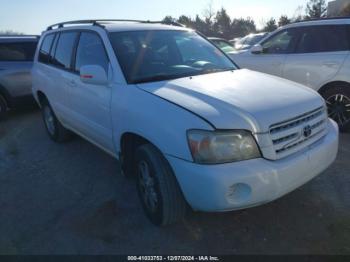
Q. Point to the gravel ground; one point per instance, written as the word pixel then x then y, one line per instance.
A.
pixel 71 199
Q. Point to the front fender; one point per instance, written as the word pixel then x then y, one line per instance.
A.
pixel 162 123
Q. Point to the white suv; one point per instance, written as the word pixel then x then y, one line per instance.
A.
pixel 314 53
pixel 177 113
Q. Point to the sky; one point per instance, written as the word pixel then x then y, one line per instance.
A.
pixel 33 16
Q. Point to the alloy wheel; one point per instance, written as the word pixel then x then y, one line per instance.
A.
pixel 339 108
pixel 147 187
pixel 49 120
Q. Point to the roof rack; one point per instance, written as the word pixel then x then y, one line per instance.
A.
pixel 100 22
pixel 323 19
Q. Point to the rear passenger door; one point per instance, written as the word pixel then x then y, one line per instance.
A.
pixel 55 57
pixel 90 104
pixel 318 56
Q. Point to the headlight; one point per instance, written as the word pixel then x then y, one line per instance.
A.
pixel 218 147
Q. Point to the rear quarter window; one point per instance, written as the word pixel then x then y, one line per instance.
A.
pixel 44 53
pixel 17 51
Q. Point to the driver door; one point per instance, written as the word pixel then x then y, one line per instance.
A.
pixel 273 57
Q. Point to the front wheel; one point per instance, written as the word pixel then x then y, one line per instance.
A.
pixel 158 189
pixel 338 103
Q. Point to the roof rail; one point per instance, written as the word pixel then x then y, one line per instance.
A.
pixel 100 22
pixel 323 19
pixel 165 23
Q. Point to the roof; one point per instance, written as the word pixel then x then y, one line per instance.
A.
pixel 324 21
pixel 130 26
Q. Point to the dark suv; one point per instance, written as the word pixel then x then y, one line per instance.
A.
pixel 16 60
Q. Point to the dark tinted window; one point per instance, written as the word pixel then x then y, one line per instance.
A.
pixel 64 50
pixel 280 43
pixel 17 51
pixel 91 51
pixel 331 38
pixel 45 48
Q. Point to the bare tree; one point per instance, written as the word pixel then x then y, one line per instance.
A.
pixel 209 12
pixel 284 20
pixel 316 9
pixel 298 14
pixel 270 25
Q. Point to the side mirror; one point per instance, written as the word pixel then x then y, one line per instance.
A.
pixel 93 74
pixel 257 49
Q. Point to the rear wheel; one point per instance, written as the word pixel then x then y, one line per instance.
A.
pixel 3 107
pixel 158 189
pixel 338 103
pixel 54 128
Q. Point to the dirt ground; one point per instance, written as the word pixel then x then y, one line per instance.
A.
pixel 71 199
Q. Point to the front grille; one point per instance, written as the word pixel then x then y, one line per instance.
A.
pixel 299 132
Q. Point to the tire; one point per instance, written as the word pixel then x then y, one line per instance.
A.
pixel 338 103
pixel 56 131
pixel 3 107
pixel 166 204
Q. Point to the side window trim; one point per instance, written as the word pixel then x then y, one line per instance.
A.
pixel 348 35
pixel 54 46
pixel 51 45
pixel 74 54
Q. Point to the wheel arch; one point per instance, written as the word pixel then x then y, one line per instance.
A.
pixel 331 84
pixel 129 142
pixel 6 95
pixel 40 96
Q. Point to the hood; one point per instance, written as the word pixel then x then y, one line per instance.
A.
pixel 240 99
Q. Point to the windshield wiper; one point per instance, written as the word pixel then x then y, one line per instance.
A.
pixel 150 79
pixel 162 77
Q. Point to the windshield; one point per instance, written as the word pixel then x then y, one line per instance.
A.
pixel 148 56
pixel 249 41
pixel 253 39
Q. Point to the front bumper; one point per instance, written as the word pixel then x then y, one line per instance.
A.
pixel 254 182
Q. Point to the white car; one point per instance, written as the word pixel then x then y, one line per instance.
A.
pixel 314 53
pixel 250 40
pixel 178 114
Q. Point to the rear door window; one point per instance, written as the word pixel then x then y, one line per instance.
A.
pixel 44 53
pixel 17 51
pixel 329 38
pixel 91 51
pixel 64 50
